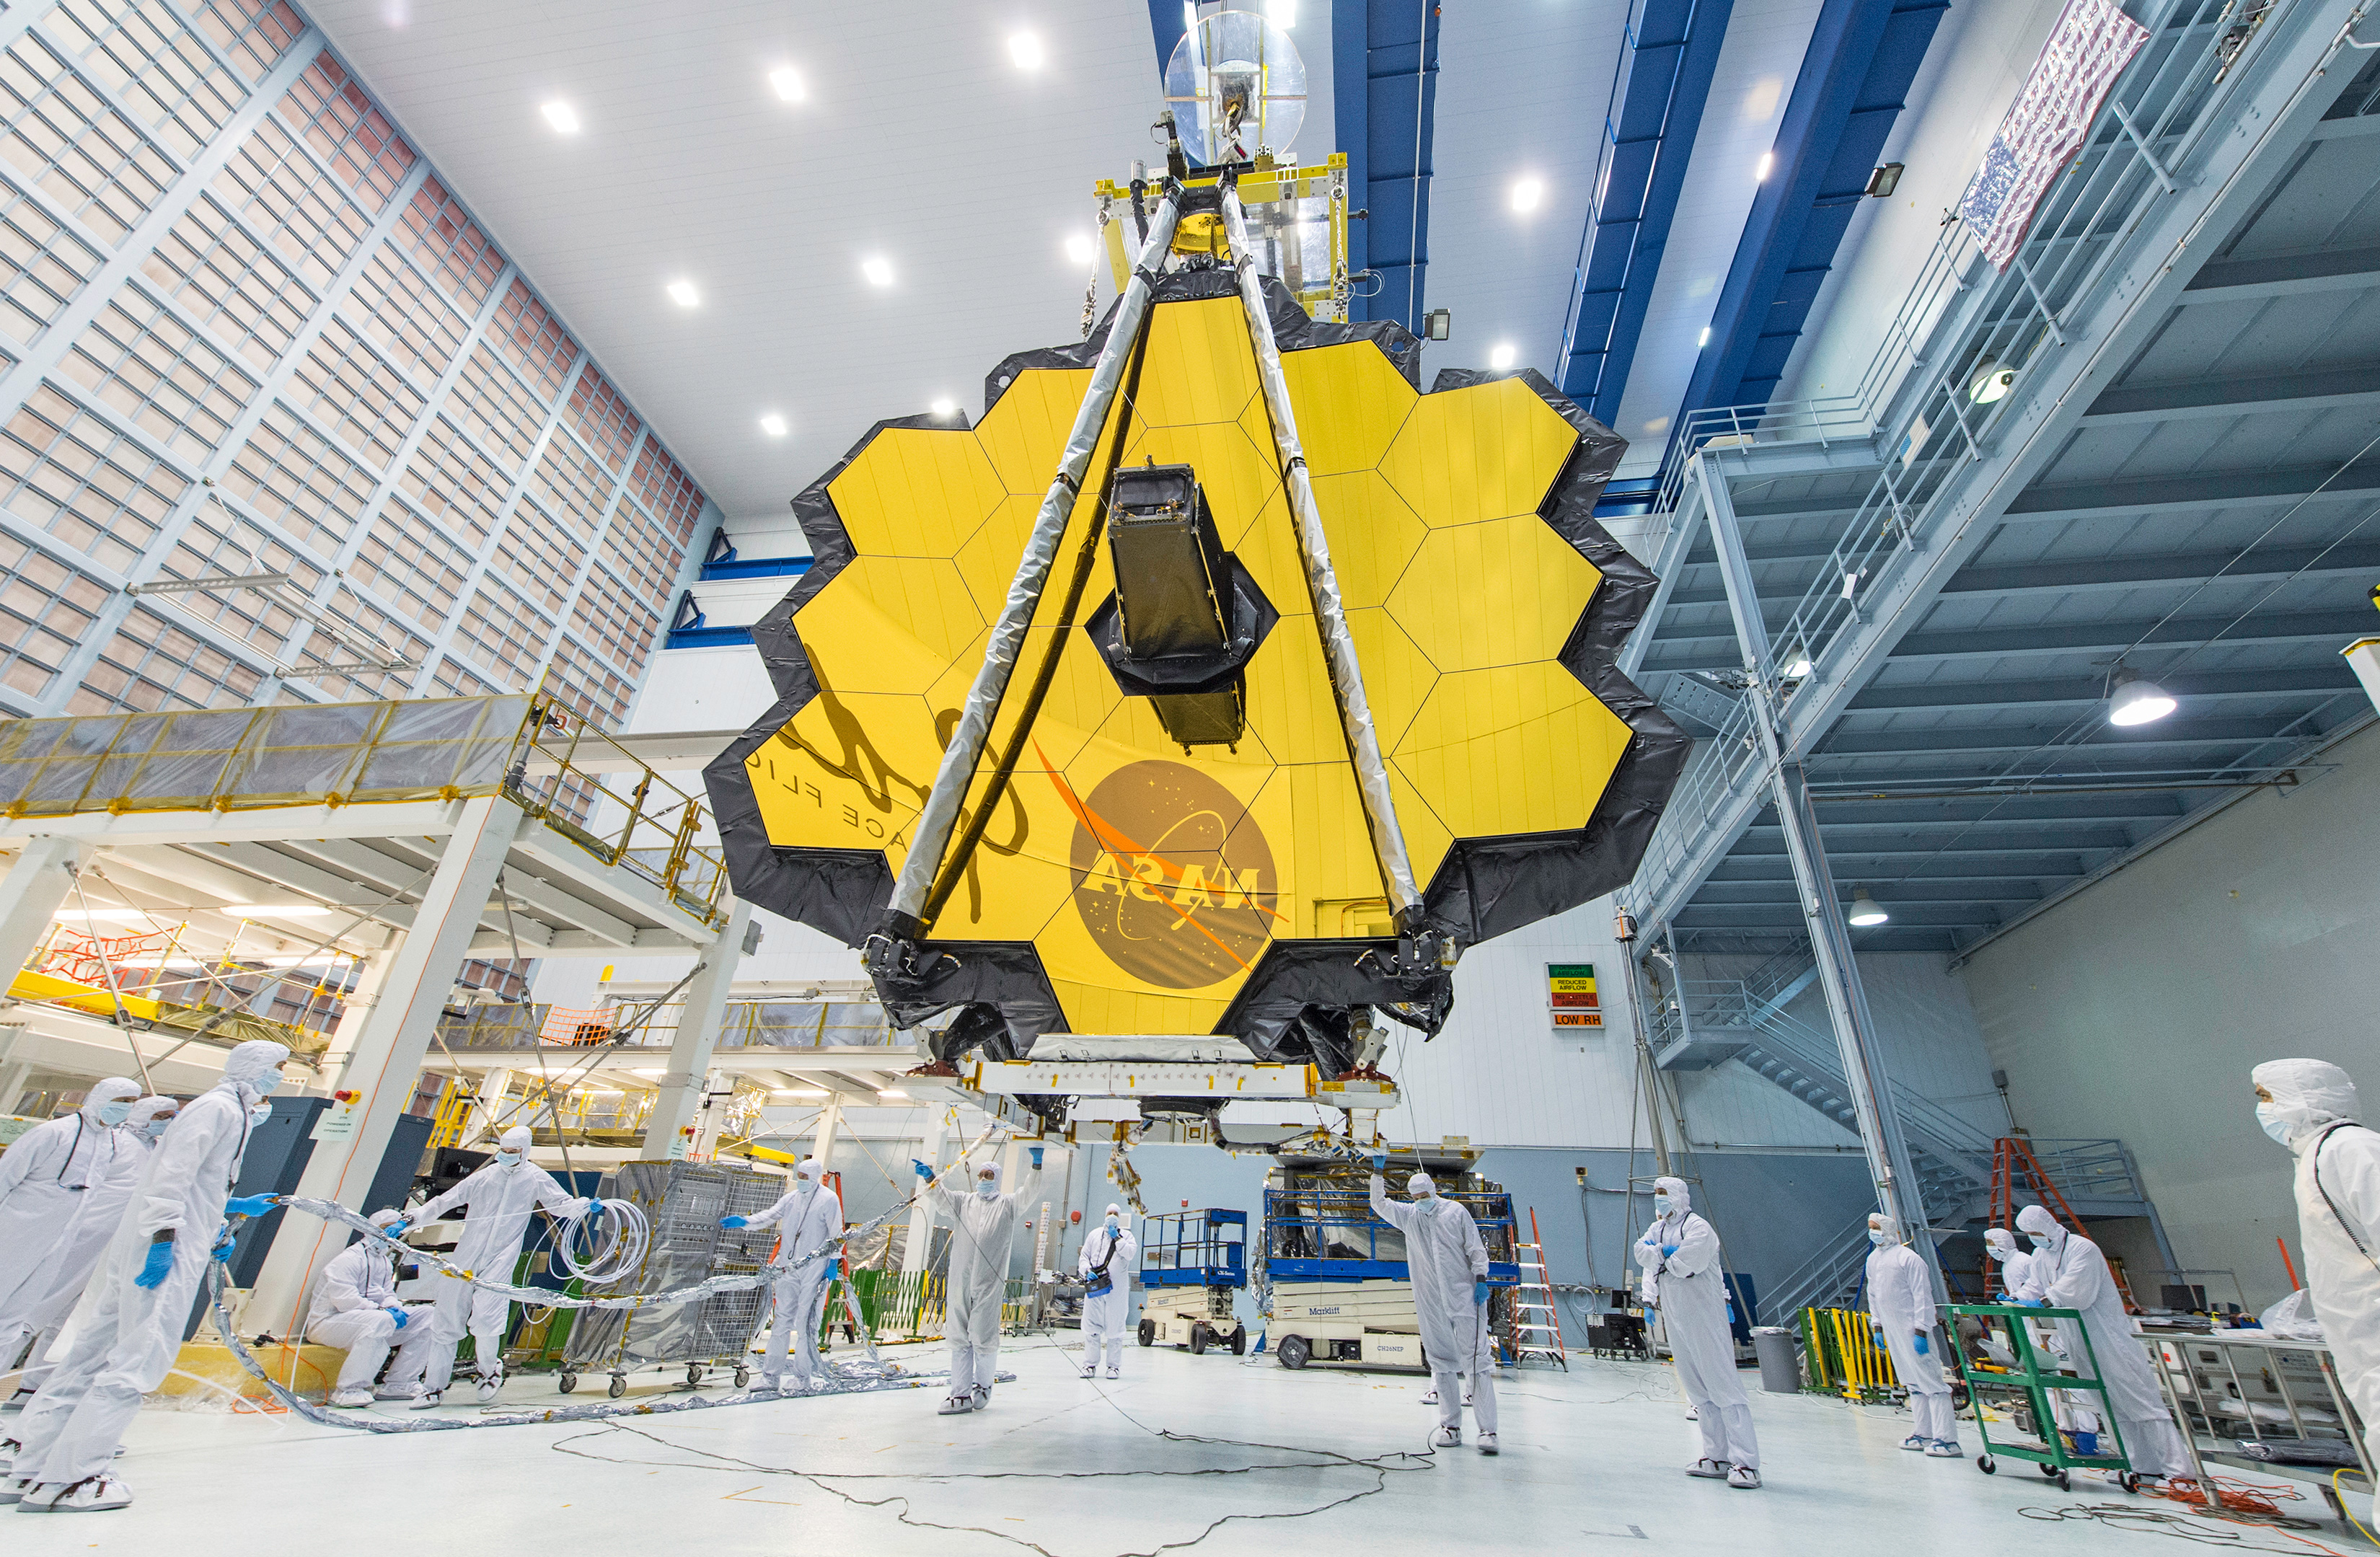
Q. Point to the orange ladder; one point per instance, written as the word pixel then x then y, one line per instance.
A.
pixel 1536 1324
pixel 2012 1155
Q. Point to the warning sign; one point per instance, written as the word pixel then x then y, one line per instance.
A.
pixel 1570 995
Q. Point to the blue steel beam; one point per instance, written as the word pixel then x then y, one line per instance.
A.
pixel 1672 49
pixel 1861 57
pixel 1168 22
pixel 1384 97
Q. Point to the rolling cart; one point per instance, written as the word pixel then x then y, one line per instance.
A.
pixel 2005 1367
pixel 683 1202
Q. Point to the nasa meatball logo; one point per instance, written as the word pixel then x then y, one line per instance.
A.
pixel 1172 877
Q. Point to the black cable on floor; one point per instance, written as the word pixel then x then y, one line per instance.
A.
pixel 2155 1521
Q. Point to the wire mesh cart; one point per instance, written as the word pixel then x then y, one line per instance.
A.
pixel 1191 1263
pixel 683 1201
pixel 2006 1365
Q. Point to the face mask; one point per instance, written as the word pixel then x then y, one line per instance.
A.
pixel 259 1113
pixel 1112 1219
pixel 1661 1205
pixel 1875 1236
pixel 2040 1241
pixel 115 1113
pixel 2269 1116
pixel 508 1159
pixel 986 1187
pixel 1998 1251
pixel 269 1082
pixel 156 1128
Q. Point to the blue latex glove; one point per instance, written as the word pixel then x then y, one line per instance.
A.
pixel 1037 1157
pixel 153 1269
pixel 734 1222
pixel 1668 1249
pixel 225 1244
pixel 833 1268
pixel 396 1229
pixel 1923 1345
pixel 594 1207
pixel 248 1205
pixel 1478 1293
pixel 398 1315
pixel 923 1171
pixel 1380 1163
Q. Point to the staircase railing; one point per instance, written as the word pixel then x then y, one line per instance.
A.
pixel 1828 1275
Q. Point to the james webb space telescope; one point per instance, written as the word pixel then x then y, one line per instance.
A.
pixel 1165 732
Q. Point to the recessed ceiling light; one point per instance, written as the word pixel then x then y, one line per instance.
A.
pixel 561 115
pixel 877 270
pixel 773 425
pixel 1078 248
pixel 891 1093
pixel 1502 356
pixel 1767 161
pixel 683 294
pixel 945 406
pixel 1528 193
pixel 787 83
pixel 1282 13
pixel 1025 50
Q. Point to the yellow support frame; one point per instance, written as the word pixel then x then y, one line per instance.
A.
pixel 1261 186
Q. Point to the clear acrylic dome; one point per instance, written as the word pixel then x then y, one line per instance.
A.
pixel 1236 84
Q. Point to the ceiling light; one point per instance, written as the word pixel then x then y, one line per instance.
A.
pixel 877 270
pixel 1528 193
pixel 788 84
pixel 278 910
pixel 1797 662
pixel 891 1093
pixel 1501 357
pixel 1866 910
pixel 1078 248
pixel 810 1092
pixel 773 425
pixel 1025 50
pixel 561 115
pixel 1767 161
pixel 1282 13
pixel 1703 339
pixel 944 407
pixel 648 1073
pixel 2137 701
pixel 683 294
pixel 1990 382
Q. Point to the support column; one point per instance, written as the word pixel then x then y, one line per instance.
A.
pixel 388 1053
pixel 829 1120
pixel 929 1151
pixel 697 1034
pixel 36 887
pixel 355 1015
pixel 1864 1076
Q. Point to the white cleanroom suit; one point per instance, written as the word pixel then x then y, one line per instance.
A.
pixel 2313 1111
pixel 2073 1274
pixel 47 1177
pixel 812 1215
pixel 1448 1264
pixel 2018 1282
pixel 1110 1252
pixel 983 1228
pixel 1681 1256
pixel 1901 1304
pixel 501 1196
pixel 79 1254
pixel 355 1308
pixel 155 1262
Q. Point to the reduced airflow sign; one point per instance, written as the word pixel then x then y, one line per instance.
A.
pixel 1570 994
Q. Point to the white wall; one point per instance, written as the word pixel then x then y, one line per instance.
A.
pixel 2136 1007
pixel 1979 57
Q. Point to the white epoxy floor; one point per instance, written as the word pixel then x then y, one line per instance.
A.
pixel 1062 1468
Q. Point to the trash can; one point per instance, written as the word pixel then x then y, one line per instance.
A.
pixel 1780 1369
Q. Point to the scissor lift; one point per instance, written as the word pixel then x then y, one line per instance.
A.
pixel 1191 1263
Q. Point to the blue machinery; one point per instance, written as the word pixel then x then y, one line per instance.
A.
pixel 1191 1263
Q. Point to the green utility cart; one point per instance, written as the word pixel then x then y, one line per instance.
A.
pixel 2032 1377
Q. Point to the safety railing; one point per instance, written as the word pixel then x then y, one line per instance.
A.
pixel 754 1024
pixel 593 791
pixel 1961 323
pixel 2090 1170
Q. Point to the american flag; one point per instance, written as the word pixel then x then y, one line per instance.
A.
pixel 2048 123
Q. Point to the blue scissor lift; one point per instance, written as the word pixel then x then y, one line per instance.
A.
pixel 1191 1263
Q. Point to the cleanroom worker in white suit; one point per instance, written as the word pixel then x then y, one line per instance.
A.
pixel 1449 1266
pixel 67 1439
pixel 2017 1281
pixel 812 1215
pixel 502 1195
pixel 2072 1274
pixel 1680 1254
pixel 79 1254
pixel 355 1308
pixel 1901 1307
pixel 1106 1263
pixel 983 1228
pixel 46 1178
pixel 2309 1106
